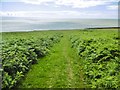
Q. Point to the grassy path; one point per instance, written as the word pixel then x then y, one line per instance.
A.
pixel 60 69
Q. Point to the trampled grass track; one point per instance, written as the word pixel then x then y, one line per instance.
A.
pixel 60 69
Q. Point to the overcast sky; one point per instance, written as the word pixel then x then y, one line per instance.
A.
pixel 60 8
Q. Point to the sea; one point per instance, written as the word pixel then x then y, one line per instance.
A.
pixel 15 24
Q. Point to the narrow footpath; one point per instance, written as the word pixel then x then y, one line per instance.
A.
pixel 60 69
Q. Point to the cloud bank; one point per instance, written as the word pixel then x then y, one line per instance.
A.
pixel 72 3
pixel 113 7
pixel 62 9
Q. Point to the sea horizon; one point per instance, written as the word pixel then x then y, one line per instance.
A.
pixel 23 24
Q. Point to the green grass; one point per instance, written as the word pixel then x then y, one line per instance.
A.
pixel 26 35
pixel 60 69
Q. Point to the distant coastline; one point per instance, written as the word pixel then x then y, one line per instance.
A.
pixel 104 28
pixel 39 30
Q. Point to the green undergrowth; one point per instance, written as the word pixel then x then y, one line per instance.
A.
pixel 59 69
pixel 99 55
pixel 61 59
pixel 19 54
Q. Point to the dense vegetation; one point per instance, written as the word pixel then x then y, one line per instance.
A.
pixel 89 58
pixel 100 57
pixel 19 54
